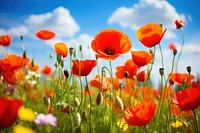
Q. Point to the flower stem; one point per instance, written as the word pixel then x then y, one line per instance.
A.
pixel 181 48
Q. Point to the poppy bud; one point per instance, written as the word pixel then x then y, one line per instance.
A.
pixel 189 69
pixel 80 47
pixel 22 37
pixel 56 64
pixel 99 98
pixel 50 56
pixel 67 109
pixel 77 102
pixel 151 51
pixel 96 57
pixel 66 73
pixel 126 74
pixel 59 58
pixel 161 71
pixel 71 51
pixel 32 62
pixel 174 52
pixel 77 120
pixel 121 86
pixel 171 82
pixel 84 115
pixel 119 103
pixel 24 54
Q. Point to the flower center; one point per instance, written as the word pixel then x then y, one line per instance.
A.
pixel 109 50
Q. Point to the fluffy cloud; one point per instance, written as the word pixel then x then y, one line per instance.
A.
pixel 59 20
pixel 146 11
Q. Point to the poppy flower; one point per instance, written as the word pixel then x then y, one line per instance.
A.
pixel 61 48
pixel 140 114
pixel 141 58
pixel 45 34
pixel 110 43
pixel 97 82
pixel 34 67
pixel 188 99
pixel 129 67
pixel 14 76
pixel 8 111
pixel 46 70
pixel 83 66
pixel 172 46
pixel 5 40
pixel 150 34
pixel 181 78
pixel 141 76
pixel 195 84
pixel 179 23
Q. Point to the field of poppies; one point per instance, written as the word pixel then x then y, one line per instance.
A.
pixel 60 100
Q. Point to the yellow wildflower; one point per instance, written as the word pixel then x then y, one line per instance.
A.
pixel 26 114
pixel 122 125
pixel 22 129
pixel 177 124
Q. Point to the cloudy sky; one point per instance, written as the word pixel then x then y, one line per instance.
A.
pixel 76 22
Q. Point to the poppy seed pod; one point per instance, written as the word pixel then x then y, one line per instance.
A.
pixel 71 51
pixel 66 73
pixel 77 120
pixel 84 115
pixel 24 54
pixel 99 98
pixel 119 103
pixel 80 48
pixel 161 71
pixel 189 69
pixel 174 52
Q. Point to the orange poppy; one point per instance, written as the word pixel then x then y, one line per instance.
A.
pixel 150 34
pixel 96 82
pixel 12 62
pixel 180 78
pixel 8 111
pixel 46 70
pixel 14 76
pixel 85 92
pixel 116 82
pixel 179 23
pixel 45 34
pixel 83 66
pixel 49 93
pixel 172 46
pixel 5 40
pixel 188 99
pixel 129 67
pixel 34 67
pixel 61 48
pixel 129 83
pixel 140 114
pixel 141 58
pixel 110 43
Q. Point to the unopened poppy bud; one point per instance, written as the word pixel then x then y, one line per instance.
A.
pixel 161 71
pixel 67 109
pixel 59 58
pixel 151 51
pixel 84 115
pixel 24 54
pixel 22 37
pixel 77 120
pixel 171 82
pixel 32 62
pixel 71 51
pixel 56 64
pixel 51 56
pixel 96 57
pixel 119 103
pixel 121 86
pixel 126 74
pixel 189 69
pixel 77 102
pixel 99 98
pixel 66 73
pixel 174 52
pixel 80 47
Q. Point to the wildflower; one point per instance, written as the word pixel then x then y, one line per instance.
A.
pixel 140 114
pixel 8 111
pixel 141 58
pixel 14 76
pixel 5 40
pixel 172 46
pixel 110 43
pixel 61 48
pixel 26 114
pixel 22 129
pixel 177 124
pixel 188 99
pixel 181 78
pixel 141 76
pixel 150 34
pixel 83 67
pixel 122 125
pixel 42 119
pixel 46 70
pixel 45 34
pixel 179 24
pixel 34 67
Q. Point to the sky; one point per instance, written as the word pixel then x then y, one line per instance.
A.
pixel 76 22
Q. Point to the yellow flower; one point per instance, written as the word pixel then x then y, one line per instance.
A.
pixel 22 129
pixel 26 114
pixel 122 125
pixel 177 124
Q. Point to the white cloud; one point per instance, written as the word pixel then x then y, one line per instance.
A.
pixel 146 11
pixel 59 21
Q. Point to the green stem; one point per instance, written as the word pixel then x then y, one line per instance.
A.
pixel 181 48
pixel 162 60
pixel 195 122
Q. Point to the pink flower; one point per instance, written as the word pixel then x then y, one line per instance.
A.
pixel 45 119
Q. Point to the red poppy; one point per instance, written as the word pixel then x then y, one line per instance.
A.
pixel 5 40
pixel 13 76
pixel 141 76
pixel 141 58
pixel 46 70
pixel 61 48
pixel 195 84
pixel 32 67
pixel 45 34
pixel 140 114
pixel 181 78
pixel 129 67
pixel 179 23
pixel 172 46
pixel 83 67
pixel 8 111
pixel 110 43
pixel 188 99
pixel 150 34
pixel 96 82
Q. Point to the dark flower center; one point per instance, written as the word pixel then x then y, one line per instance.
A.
pixel 109 50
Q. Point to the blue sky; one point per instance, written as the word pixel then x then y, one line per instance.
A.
pixel 76 22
